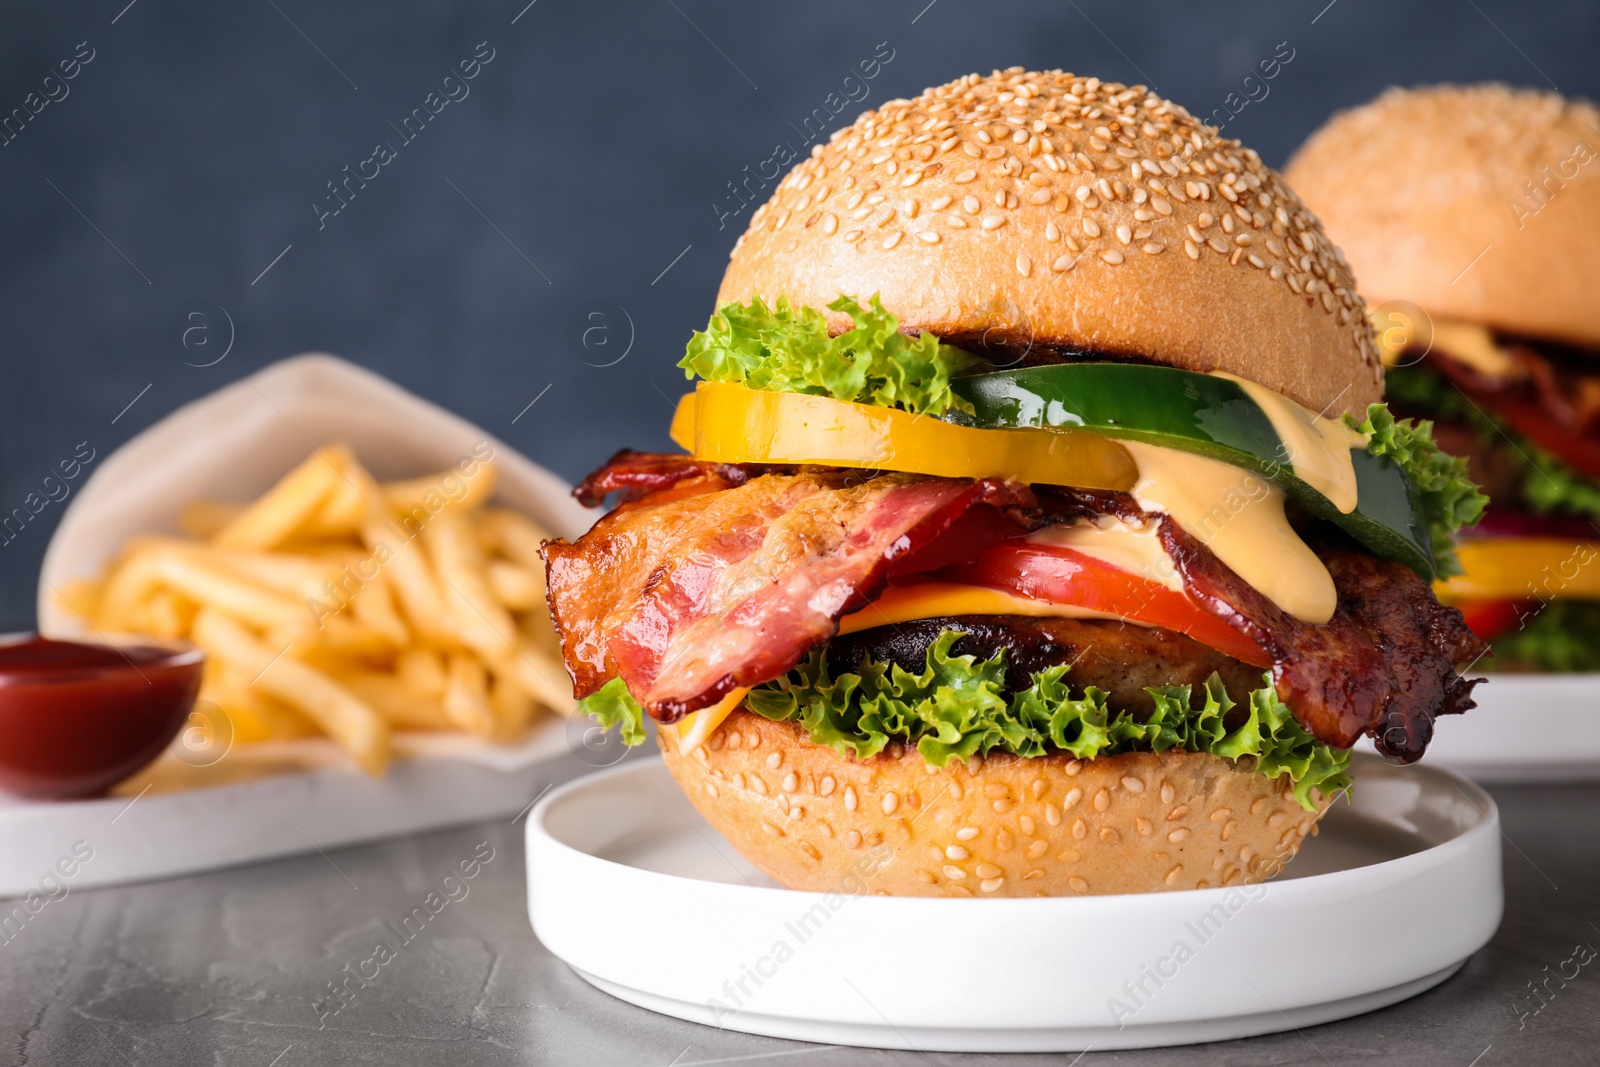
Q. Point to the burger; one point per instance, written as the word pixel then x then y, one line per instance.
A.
pixel 1470 215
pixel 1038 530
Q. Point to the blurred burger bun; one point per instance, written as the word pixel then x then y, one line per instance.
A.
pixel 1479 203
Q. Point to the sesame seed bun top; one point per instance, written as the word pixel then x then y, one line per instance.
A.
pixel 1050 209
pixel 1441 196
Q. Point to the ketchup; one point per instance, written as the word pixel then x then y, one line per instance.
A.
pixel 76 718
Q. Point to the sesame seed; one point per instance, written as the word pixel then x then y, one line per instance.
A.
pixel 1153 248
pixel 1078 884
pixel 1063 264
pixel 953 872
pixel 1051 231
pixel 926 877
pixel 849 798
pixel 1029 827
pixel 966 833
pixel 1024 264
pixel 1227 829
pixel 1110 835
pixel 1074 795
pixel 811 850
pixel 1112 256
pixel 771 830
pixel 956 852
pixel 939 203
pixel 1080 829
pixel 891 801
pixel 775 760
pixel 1102 800
pixel 1037 849
pixel 825 787
pixel 893 239
pixel 989 885
pixel 852 840
pixel 964 177
pixel 1172 875
pixel 1091 228
pixel 1180 834
pixel 1191 250
pixel 791 782
pixel 993 222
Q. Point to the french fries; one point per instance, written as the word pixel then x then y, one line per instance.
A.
pixel 339 606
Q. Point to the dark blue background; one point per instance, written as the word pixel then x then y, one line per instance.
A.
pixel 587 157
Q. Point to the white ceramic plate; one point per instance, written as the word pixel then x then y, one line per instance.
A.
pixel 1526 728
pixel 1400 887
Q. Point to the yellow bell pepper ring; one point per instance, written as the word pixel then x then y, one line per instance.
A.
pixel 1536 568
pixel 726 423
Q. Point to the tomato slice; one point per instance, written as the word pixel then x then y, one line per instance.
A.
pixel 1491 618
pixel 1061 575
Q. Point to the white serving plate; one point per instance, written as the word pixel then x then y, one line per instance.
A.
pixel 1526 728
pixel 1400 887
pixel 264 801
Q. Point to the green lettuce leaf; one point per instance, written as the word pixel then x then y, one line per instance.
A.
pixel 1564 635
pixel 955 708
pixel 1446 497
pixel 612 705
pixel 1547 485
pixel 787 349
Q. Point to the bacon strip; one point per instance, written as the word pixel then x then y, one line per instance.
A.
pixel 637 474
pixel 689 599
pixel 1385 665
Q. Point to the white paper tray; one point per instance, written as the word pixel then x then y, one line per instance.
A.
pixel 232 445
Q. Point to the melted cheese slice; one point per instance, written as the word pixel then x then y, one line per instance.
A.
pixel 695 727
pixel 1238 514
pixel 1135 549
pixel 1316 447
pixel 933 600
pixel 1474 346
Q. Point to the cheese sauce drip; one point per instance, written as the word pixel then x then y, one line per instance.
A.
pixel 1135 549
pixel 1238 515
pixel 1316 447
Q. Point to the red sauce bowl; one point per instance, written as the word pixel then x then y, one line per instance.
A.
pixel 77 717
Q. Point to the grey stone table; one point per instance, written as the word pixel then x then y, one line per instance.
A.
pixel 235 968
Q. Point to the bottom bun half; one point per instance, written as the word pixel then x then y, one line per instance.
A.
pixel 994 826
